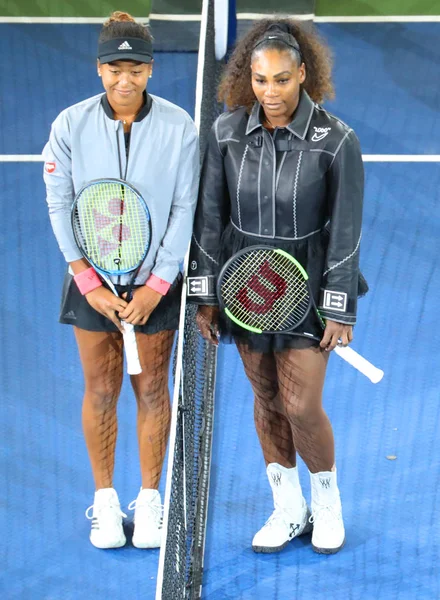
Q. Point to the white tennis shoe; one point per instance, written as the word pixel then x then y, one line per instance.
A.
pixel 291 515
pixel 148 519
pixel 107 530
pixel 328 526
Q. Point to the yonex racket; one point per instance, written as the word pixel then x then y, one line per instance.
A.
pixel 265 290
pixel 112 228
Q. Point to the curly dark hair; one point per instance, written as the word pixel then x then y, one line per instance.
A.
pixel 235 89
pixel 122 24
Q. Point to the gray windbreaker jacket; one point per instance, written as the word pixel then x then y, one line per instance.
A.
pixel 86 143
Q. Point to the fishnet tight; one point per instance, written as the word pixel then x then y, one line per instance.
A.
pixel 288 411
pixel 101 357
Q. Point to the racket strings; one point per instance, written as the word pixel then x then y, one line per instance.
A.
pixel 111 223
pixel 247 266
pixel 265 289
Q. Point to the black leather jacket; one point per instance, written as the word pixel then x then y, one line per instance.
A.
pixel 286 186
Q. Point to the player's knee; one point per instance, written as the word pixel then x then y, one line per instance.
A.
pixel 302 412
pixel 153 397
pixel 101 397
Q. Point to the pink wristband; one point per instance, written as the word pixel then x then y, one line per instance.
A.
pixel 158 285
pixel 87 281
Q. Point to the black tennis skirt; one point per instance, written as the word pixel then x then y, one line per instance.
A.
pixel 311 254
pixel 75 310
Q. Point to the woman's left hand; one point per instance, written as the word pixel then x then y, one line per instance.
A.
pixel 140 307
pixel 333 333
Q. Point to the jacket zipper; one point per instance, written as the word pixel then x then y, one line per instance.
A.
pixel 127 153
pixel 124 178
pixel 273 179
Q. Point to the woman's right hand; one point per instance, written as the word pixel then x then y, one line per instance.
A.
pixel 207 321
pixel 107 304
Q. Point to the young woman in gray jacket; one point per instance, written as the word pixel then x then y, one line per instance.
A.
pixel 128 134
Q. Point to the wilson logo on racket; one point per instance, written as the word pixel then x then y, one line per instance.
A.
pixel 269 296
pixel 259 272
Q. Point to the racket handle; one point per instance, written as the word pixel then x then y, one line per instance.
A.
pixel 131 349
pixel 360 363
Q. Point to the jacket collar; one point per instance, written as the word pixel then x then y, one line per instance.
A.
pixel 301 117
pixel 148 101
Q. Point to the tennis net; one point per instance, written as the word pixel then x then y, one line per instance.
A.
pixel 186 498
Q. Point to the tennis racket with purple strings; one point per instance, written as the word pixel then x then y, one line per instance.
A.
pixel 266 290
pixel 112 228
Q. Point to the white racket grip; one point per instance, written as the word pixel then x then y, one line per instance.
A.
pixel 360 363
pixel 131 349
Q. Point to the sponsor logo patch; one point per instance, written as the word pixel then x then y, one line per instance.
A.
pixel 197 286
pixel 320 133
pixel 50 167
pixel 335 300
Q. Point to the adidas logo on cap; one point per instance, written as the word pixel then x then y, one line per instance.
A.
pixel 125 46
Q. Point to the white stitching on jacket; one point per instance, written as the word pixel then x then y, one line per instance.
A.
pixel 228 140
pixel 344 259
pixel 259 189
pixel 278 237
pixel 239 183
pixel 340 146
pixel 204 251
pixel 295 191
pixel 216 134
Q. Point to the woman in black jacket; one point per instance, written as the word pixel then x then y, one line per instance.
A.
pixel 280 170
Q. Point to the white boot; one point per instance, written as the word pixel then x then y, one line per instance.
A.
pixel 328 527
pixel 107 530
pixel 147 519
pixel 291 515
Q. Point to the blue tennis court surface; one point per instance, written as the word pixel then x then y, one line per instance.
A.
pixel 388 447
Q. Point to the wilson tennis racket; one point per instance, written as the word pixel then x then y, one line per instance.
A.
pixel 112 227
pixel 265 290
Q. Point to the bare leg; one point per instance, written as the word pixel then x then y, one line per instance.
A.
pixel 301 379
pixel 153 401
pixel 273 428
pixel 101 359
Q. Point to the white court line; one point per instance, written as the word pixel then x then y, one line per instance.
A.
pixel 257 16
pixel 381 19
pixel 417 158
pixel 401 158
pixel 21 158
pixel 63 20
pixel 352 19
pixel 317 19
pixel 240 17
pixel 158 17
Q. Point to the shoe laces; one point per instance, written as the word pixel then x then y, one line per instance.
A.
pixel 113 509
pixel 327 515
pixel 155 509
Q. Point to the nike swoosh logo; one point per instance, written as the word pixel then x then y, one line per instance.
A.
pixel 318 138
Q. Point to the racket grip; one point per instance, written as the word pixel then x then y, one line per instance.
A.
pixel 131 349
pixel 360 363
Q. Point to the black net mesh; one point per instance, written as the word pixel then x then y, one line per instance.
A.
pixel 181 565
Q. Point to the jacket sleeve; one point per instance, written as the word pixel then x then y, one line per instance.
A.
pixel 175 242
pixel 212 215
pixel 339 291
pixel 59 186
